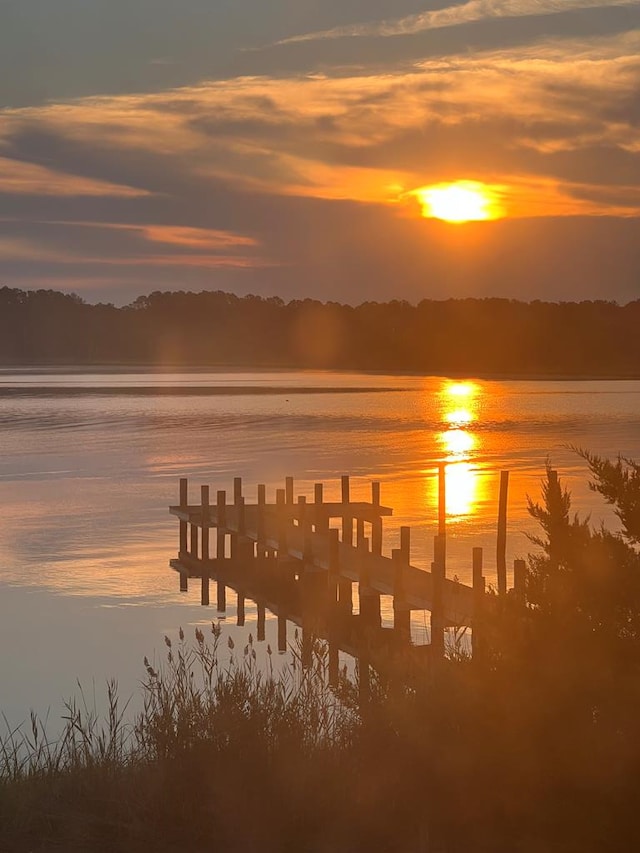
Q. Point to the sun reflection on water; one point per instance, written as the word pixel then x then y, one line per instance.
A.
pixel 460 408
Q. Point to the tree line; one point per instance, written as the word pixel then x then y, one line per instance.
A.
pixel 490 336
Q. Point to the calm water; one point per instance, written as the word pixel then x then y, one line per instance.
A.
pixel 89 463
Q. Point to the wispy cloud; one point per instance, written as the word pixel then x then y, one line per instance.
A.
pixel 452 16
pixel 24 178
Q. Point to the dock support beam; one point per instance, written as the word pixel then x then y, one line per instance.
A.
pixel 479 589
pixel 437 611
pixel 261 621
pixel 206 520
pixel 184 503
pixel 282 630
pixel 501 555
pixel 401 611
pixel 347 520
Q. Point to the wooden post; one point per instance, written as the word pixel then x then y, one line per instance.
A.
pixel 478 603
pixel 281 522
pixel 302 511
pixel 442 499
pixel 261 620
pixel 305 529
pixel 193 551
pixel 401 612
pixel 221 596
pixel 237 489
pixel 184 582
pixel 347 520
pixel 399 564
pixel 359 530
pixel 282 630
pixel 221 546
pixel 221 510
pixel 288 488
pixel 370 613
pixel 345 596
pixel 240 614
pixel 322 520
pixel 520 580
pixel 442 511
pixel 501 555
pixel 339 589
pixel 241 516
pixel 334 565
pixel 437 604
pixel 261 520
pixel 184 504
pixel 405 544
pixel 376 525
pixel 376 536
pixel 206 520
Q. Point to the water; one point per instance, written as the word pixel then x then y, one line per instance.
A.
pixel 90 461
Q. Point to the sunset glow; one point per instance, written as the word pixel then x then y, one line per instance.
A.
pixel 459 407
pixel 462 201
pixel 461 389
pixel 458 442
pixel 459 417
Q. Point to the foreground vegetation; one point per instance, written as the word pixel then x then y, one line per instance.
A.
pixel 470 336
pixel 533 746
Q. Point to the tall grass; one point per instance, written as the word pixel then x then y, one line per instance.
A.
pixel 492 756
pixel 213 724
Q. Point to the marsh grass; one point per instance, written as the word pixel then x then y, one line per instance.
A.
pixel 217 736
pixel 228 754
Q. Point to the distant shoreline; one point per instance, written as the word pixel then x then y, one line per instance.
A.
pixel 108 368
pixel 183 391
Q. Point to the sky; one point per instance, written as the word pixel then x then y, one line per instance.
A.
pixel 284 147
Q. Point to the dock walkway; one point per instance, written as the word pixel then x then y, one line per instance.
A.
pixel 304 558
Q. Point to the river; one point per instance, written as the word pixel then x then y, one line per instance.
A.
pixel 90 461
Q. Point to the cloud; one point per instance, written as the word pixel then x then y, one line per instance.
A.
pixel 179 236
pixel 299 185
pixel 453 16
pixel 552 118
pixel 128 246
pixel 32 179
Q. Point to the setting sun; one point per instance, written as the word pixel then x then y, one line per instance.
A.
pixel 462 201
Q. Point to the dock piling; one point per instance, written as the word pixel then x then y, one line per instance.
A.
pixel 184 503
pixel 501 550
pixel 479 590
pixel 206 521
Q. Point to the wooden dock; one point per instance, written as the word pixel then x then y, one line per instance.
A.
pixel 302 558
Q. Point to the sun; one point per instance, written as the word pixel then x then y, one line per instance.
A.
pixel 462 201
